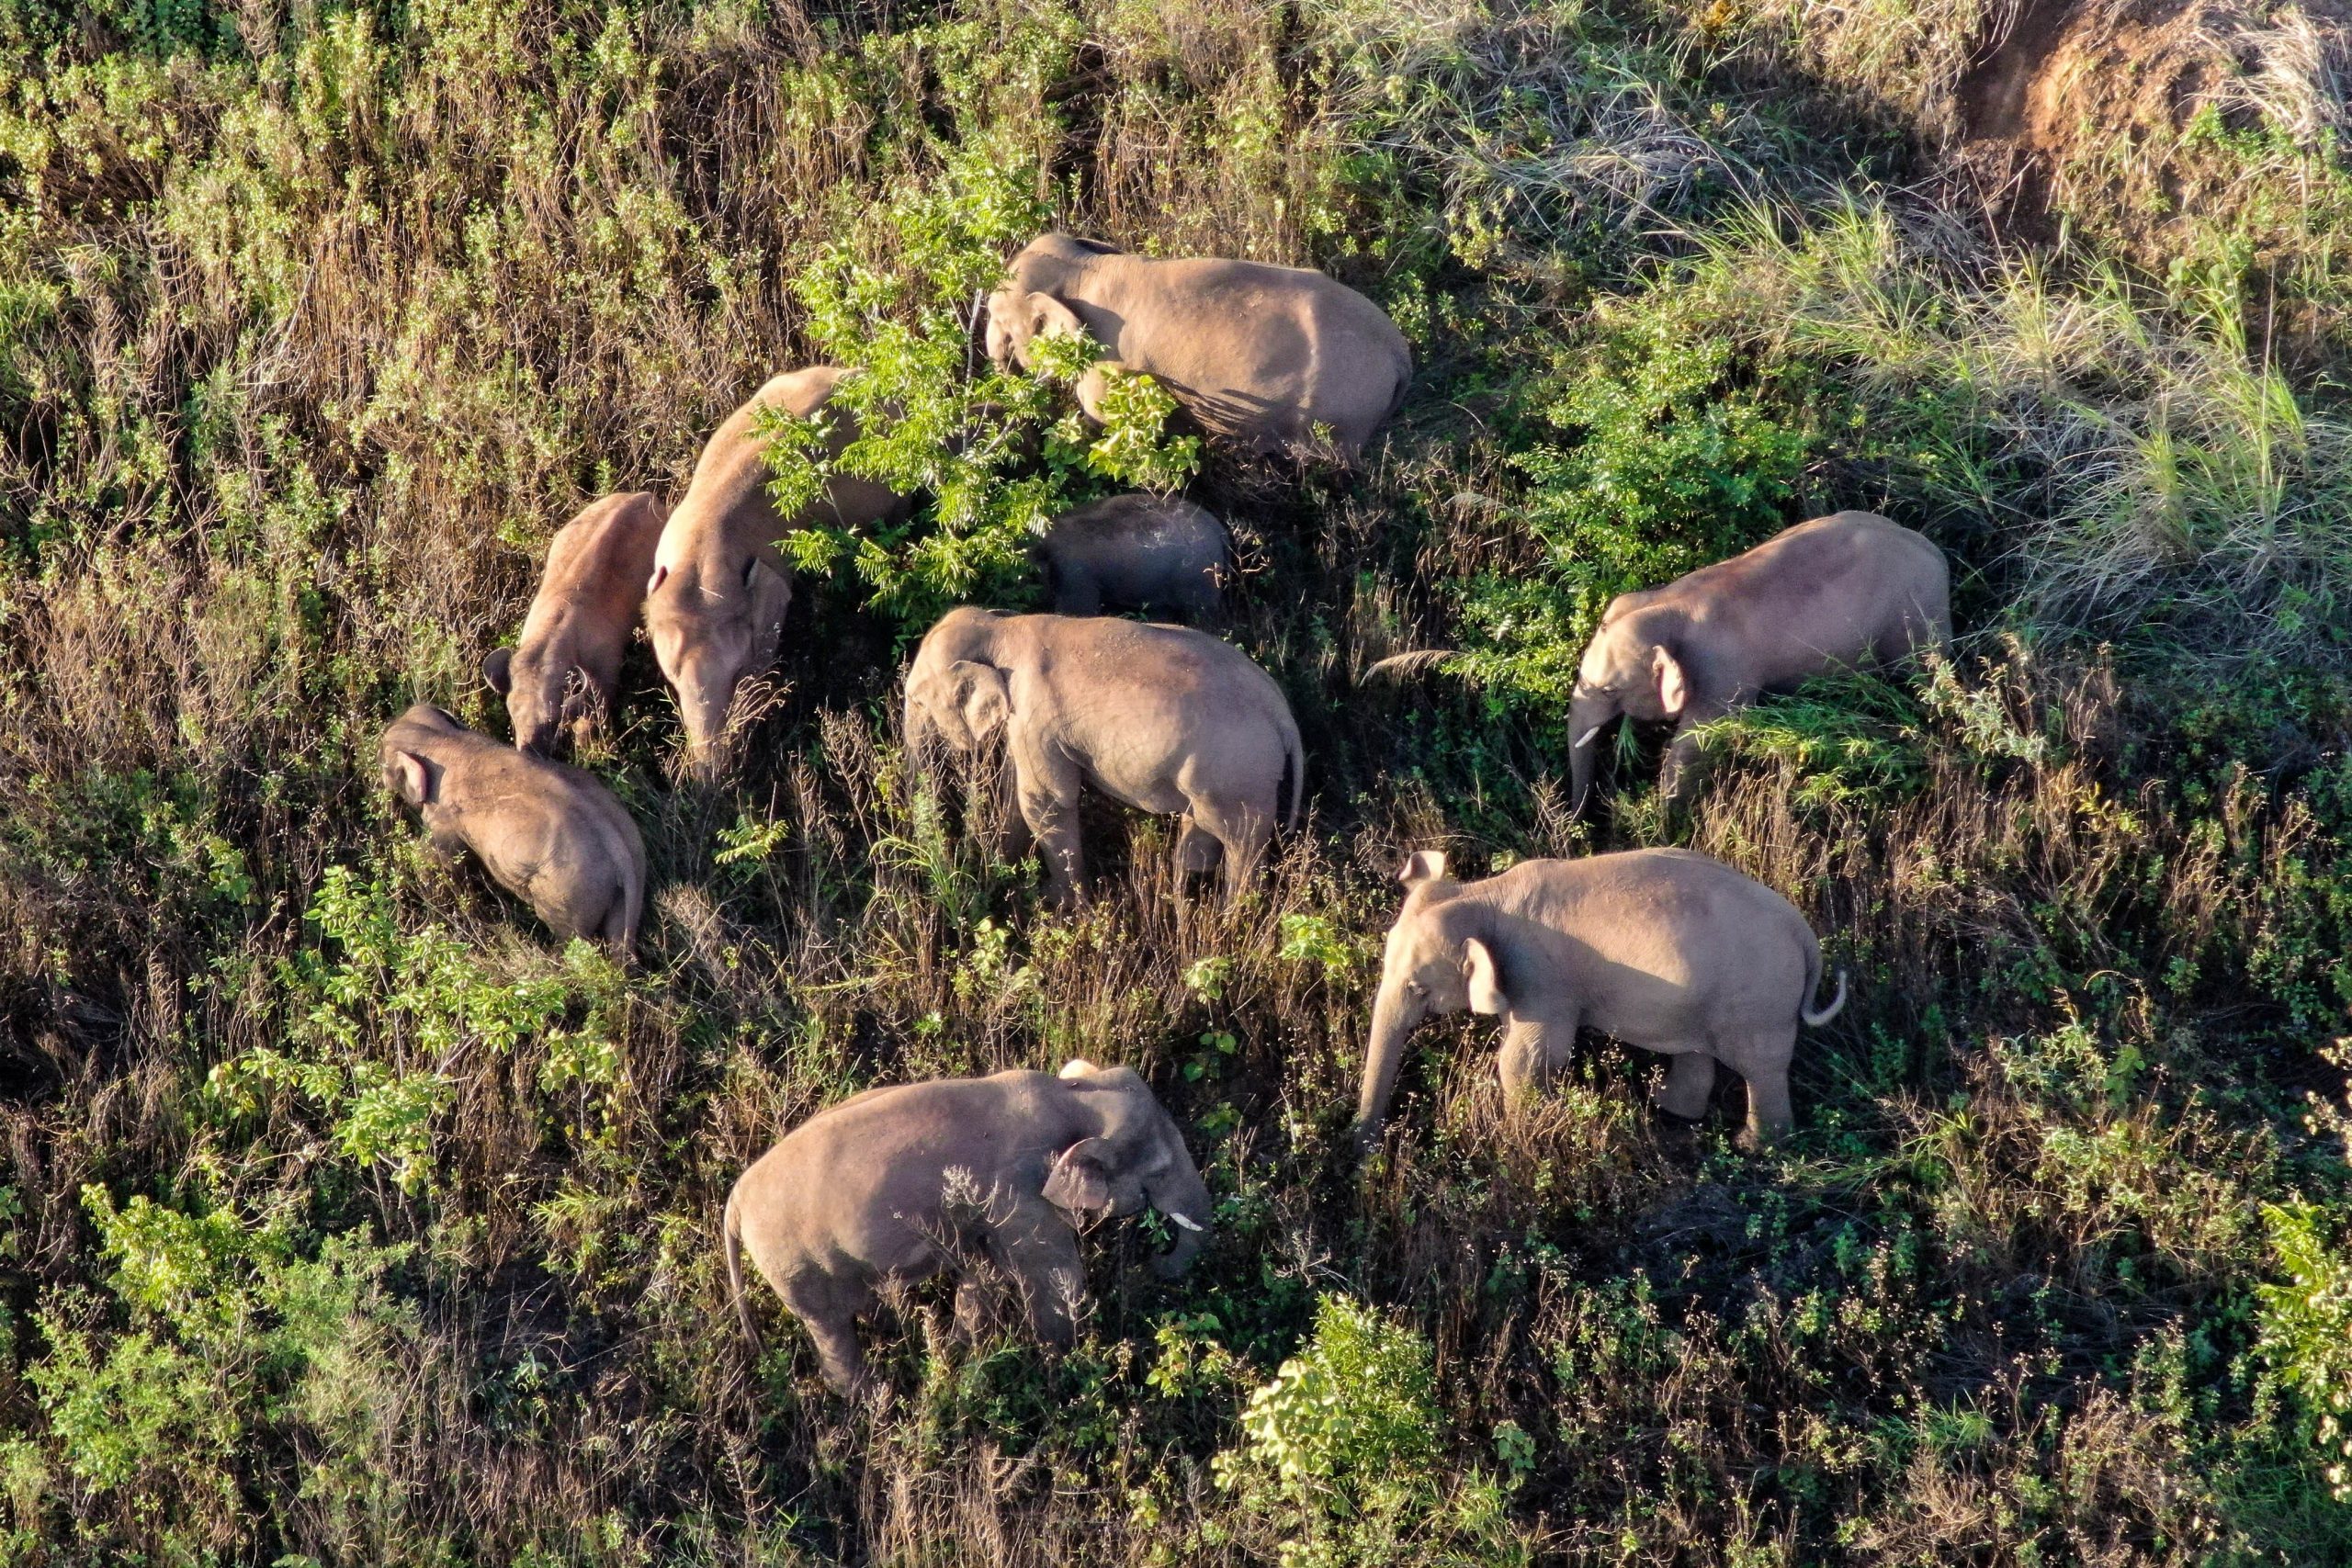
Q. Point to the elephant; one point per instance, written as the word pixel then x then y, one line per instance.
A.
pixel 1275 359
pixel 1158 554
pixel 716 601
pixel 1160 718
pixel 898 1184
pixel 1816 597
pixel 547 833
pixel 1668 950
pixel 564 672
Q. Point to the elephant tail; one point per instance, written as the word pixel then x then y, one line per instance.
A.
pixel 1812 988
pixel 730 1230
pixel 1294 769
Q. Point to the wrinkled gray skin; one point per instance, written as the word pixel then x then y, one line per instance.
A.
pixel 716 601
pixel 859 1197
pixel 547 833
pixel 1259 355
pixel 1833 593
pixel 1664 948
pixel 1158 554
pixel 1161 719
pixel 563 674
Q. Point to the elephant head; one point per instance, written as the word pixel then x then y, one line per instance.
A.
pixel 1017 317
pixel 1632 668
pixel 955 692
pixel 714 619
pixel 1135 1157
pixel 544 698
pixel 1441 958
pixel 411 771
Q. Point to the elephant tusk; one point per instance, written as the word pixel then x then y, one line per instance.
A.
pixel 1585 738
pixel 1181 1220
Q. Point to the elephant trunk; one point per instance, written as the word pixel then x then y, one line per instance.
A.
pixel 1587 717
pixel 1393 1020
pixel 1183 1198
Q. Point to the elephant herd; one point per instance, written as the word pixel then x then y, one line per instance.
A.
pixel 994 1179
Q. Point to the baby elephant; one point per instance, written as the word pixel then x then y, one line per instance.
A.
pixel 1160 718
pixel 1831 592
pixel 549 834
pixel 1273 358
pixel 1663 948
pixel 564 672
pixel 1158 554
pixel 895 1185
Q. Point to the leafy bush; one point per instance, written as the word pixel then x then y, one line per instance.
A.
pixel 2305 1334
pixel 1661 455
pixel 937 421
pixel 1344 1450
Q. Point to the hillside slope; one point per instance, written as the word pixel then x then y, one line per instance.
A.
pixel 345 1218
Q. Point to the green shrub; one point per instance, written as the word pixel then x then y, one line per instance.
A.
pixel 1344 1452
pixel 1659 455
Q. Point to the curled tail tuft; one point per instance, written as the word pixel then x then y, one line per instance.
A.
pixel 730 1230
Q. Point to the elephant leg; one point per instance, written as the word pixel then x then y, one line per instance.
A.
pixel 1763 1062
pixel 1690 1081
pixel 1039 1251
pixel 1046 792
pixel 1533 1055
pixel 1095 383
pixel 1245 831
pixel 1198 850
pixel 1077 594
pixel 827 1308
pixel 1677 773
pixel 976 1303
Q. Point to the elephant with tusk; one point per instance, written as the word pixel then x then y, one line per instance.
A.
pixel 1665 949
pixel 895 1185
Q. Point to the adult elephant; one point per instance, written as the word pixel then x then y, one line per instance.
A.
pixel 1272 358
pixel 1830 594
pixel 1161 719
pixel 1665 949
pixel 715 601
pixel 898 1184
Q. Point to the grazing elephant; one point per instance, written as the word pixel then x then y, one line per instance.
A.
pixel 1824 595
pixel 564 672
pixel 1160 718
pixel 1274 358
pixel 1663 948
pixel 549 834
pixel 1158 554
pixel 716 601
pixel 895 1185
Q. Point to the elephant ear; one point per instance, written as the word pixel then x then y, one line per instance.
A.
pixel 416 775
pixel 981 696
pixel 1422 865
pixel 1485 977
pixel 499 670
pixel 1080 1181
pixel 1673 691
pixel 1048 317
pixel 1000 334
